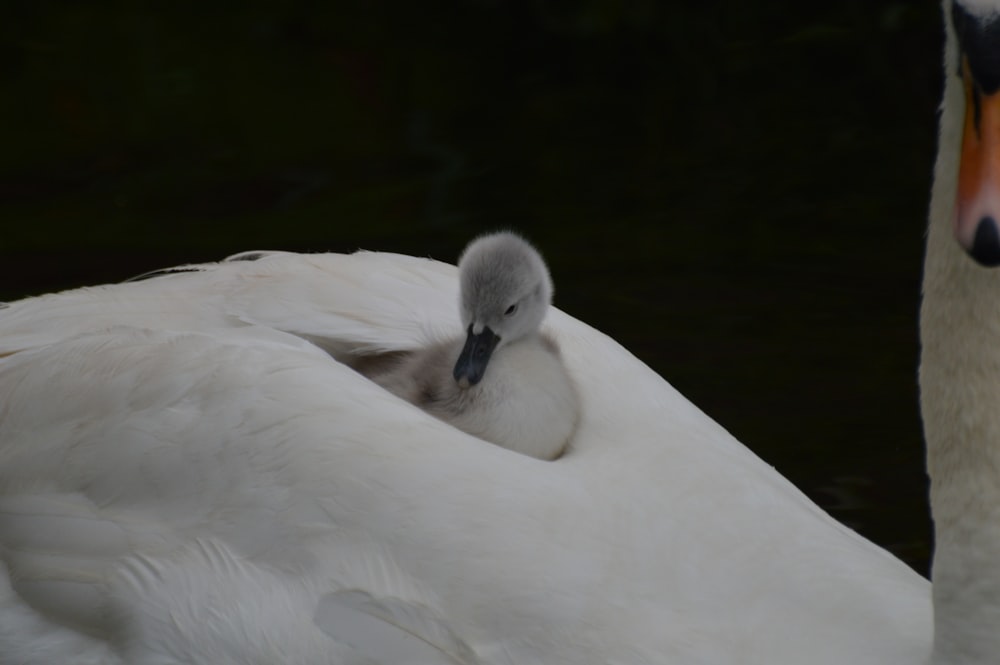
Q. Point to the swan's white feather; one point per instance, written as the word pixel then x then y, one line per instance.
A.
pixel 204 418
pixel 373 302
pixel 390 630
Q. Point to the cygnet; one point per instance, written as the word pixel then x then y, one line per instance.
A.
pixel 505 382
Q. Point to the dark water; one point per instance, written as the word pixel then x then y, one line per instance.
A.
pixel 734 191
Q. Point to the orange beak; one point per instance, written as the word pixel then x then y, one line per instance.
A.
pixel 977 210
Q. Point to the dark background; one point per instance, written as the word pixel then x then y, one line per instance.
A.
pixel 736 191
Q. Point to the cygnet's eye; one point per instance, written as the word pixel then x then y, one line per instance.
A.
pixel 510 310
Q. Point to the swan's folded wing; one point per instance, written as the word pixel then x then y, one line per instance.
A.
pixel 360 303
pixel 366 302
pixel 390 630
pixel 60 550
pixel 142 461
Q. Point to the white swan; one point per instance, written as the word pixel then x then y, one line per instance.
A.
pixel 185 478
pixel 526 402
pixel 960 335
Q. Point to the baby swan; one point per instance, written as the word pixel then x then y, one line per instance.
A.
pixel 506 382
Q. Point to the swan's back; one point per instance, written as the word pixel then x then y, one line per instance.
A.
pixel 210 436
pixel 374 302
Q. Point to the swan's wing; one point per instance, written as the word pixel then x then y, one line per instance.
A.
pixel 206 603
pixel 60 550
pixel 142 471
pixel 361 303
pixel 236 432
pixel 194 603
pixel 390 630
pixel 182 301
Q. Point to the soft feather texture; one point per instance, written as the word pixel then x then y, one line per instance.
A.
pixel 960 392
pixel 526 401
pixel 178 459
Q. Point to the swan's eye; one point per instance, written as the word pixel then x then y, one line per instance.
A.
pixel 510 310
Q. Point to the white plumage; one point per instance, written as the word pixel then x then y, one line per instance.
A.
pixel 188 476
pixel 185 479
pixel 960 343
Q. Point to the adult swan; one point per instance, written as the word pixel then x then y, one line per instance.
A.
pixel 960 333
pixel 186 479
pixel 188 476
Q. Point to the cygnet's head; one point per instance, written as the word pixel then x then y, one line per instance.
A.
pixel 504 292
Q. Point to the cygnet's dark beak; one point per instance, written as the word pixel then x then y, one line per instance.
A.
pixel 475 356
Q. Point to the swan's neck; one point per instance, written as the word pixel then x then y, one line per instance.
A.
pixel 960 403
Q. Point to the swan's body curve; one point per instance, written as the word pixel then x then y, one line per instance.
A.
pixel 186 476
